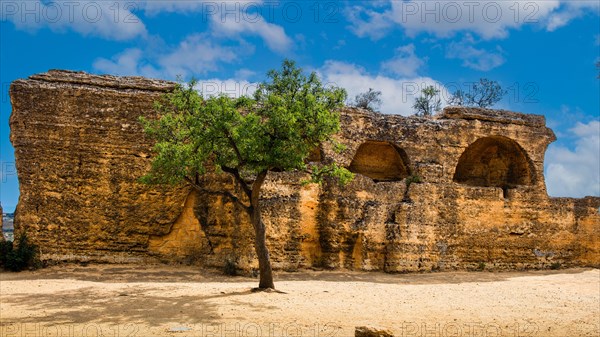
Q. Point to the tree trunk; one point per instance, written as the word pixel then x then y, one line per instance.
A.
pixel 260 241
pixel 262 252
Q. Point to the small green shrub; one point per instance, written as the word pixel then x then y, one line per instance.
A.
pixel 193 257
pixel 555 266
pixel 230 268
pixel 5 248
pixel 409 181
pixel 17 256
pixel 413 179
pixel 319 262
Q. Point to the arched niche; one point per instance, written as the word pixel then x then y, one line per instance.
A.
pixel 495 161
pixel 380 161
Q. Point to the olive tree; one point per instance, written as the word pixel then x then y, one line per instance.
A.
pixel 483 94
pixel 370 100
pixel 289 115
pixel 428 103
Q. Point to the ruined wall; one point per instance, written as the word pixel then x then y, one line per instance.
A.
pixel 462 191
pixel 79 151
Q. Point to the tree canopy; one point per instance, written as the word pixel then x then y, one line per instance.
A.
pixel 428 103
pixel 370 100
pixel 483 94
pixel 289 116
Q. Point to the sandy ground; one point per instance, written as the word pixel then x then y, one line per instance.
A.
pixel 127 300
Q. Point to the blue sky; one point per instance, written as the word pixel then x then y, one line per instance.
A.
pixel 542 52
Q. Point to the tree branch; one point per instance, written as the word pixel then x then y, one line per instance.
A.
pixel 256 187
pixel 235 148
pixel 238 178
pixel 221 193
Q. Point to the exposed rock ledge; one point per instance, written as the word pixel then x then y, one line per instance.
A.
pixel 106 81
pixel 501 116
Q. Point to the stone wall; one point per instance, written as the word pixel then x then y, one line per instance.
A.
pixel 464 190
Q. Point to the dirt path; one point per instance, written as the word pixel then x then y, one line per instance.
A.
pixel 105 300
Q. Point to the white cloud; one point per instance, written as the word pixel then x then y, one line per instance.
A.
pixel 397 94
pixel 131 62
pixel 207 7
pixel 576 172
pixel 194 56
pixel 117 20
pixel 153 7
pixel 233 87
pixel 444 19
pixel 245 73
pixel 475 58
pixel 405 62
pixel 231 19
pixel 128 63
pixel 487 19
pixel 569 11
pixel 105 19
pixel 560 19
pixel 273 35
pixel 368 23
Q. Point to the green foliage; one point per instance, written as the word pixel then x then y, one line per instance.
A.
pixel 409 181
pixel 289 115
pixel 338 147
pixel 319 261
pixel 341 174
pixel 370 100
pixel 428 103
pixel 6 248
pixel 483 94
pixel 412 179
pixel 231 267
pixel 193 257
pixel 17 256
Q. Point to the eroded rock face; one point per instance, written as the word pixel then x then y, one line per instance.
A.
pixel 462 191
pixel 79 151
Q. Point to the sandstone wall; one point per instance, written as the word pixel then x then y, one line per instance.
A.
pixel 79 151
pixel 462 191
